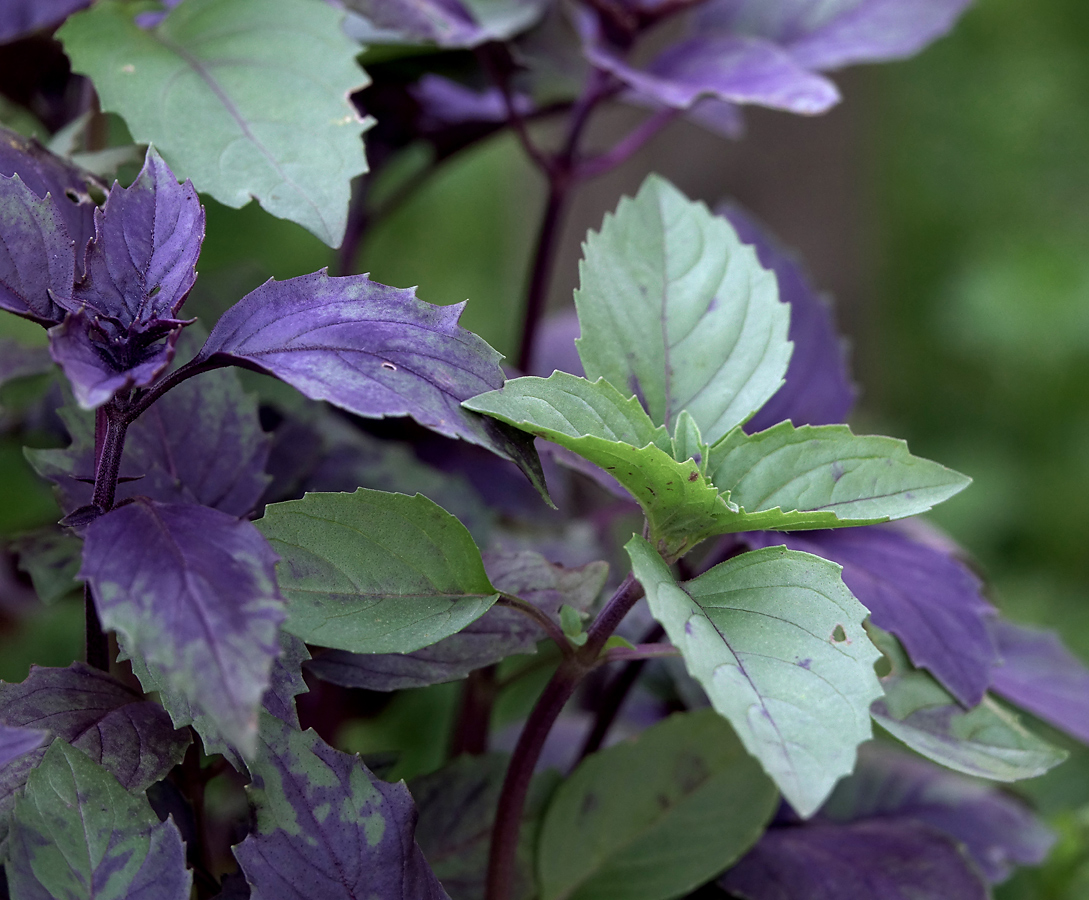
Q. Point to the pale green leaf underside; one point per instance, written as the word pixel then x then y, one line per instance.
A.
pixel 674 308
pixel 655 817
pixel 776 640
pixel 247 98
pixel 987 741
pixel 595 421
pixel 790 479
pixel 78 833
pixel 372 572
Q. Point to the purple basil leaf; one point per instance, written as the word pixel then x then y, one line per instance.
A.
pixel 996 829
pixel 234 887
pixel 927 598
pixel 286 681
pixel 328 829
pixel 46 173
pixel 1040 675
pixel 499 633
pixel 818 389
pixel 98 361
pixel 19 18
pixel 373 350
pixel 16 741
pixel 894 859
pixel 95 713
pixel 444 102
pixel 142 264
pixel 37 260
pixel 839 33
pixel 725 67
pixel 554 349
pixel 201 442
pixel 447 23
pixel 193 592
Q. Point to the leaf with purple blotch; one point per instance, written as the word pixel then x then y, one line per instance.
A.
pixel 78 834
pixel 328 829
pixel 16 741
pixel 46 173
pixel 373 350
pixel 37 260
pixel 1039 674
pixel 201 442
pixel 835 34
pixel 450 23
pixel 123 325
pixel 375 572
pixel 887 859
pixel 818 389
pixel 286 681
pixel 113 724
pixel 776 640
pixel 988 740
pixel 457 807
pixel 499 633
pixel 20 18
pixel 722 67
pixel 927 598
pixel 193 592
pixel 998 830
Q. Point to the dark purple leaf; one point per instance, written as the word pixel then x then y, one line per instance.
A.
pixel 16 741
pixel 818 389
pixel 996 829
pixel 894 859
pixel 113 724
pixel 839 33
pixel 46 173
pixel 328 829
pixel 499 633
pixel 1040 675
pixel 721 66
pixel 554 349
pixel 927 598
pixel 142 264
pixel 444 102
pixel 99 360
pixel 201 442
pixel 373 350
pixel 37 261
pixel 18 18
pixel 234 887
pixel 192 591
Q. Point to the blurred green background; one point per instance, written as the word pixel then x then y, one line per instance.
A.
pixel 946 203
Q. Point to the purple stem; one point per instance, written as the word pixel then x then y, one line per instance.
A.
pixel 636 139
pixel 512 799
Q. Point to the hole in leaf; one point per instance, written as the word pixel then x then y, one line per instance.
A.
pixel 390 366
pixel 71 195
pixel 839 635
pixel 882 667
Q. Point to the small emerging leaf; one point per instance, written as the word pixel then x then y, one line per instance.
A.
pixel 79 835
pixel 372 572
pixel 776 640
pixel 652 818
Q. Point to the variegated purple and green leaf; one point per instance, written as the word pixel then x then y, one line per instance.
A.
pixel 191 591
pixel 78 834
pixel 328 829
